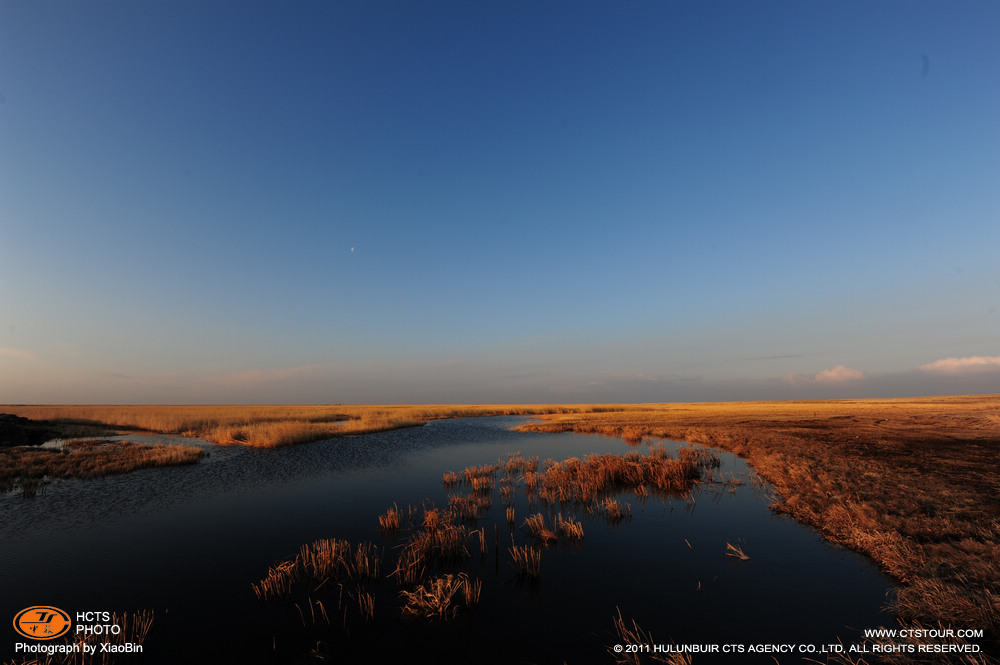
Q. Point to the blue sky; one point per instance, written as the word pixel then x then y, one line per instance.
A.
pixel 498 202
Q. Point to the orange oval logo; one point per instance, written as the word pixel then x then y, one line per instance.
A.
pixel 42 622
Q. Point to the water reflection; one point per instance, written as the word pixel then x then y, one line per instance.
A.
pixel 173 539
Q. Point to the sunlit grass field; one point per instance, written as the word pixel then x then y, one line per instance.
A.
pixel 274 426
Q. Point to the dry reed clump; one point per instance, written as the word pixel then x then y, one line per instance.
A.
pixel 437 541
pixel 31 468
pixel 736 551
pixel 569 527
pixel 318 563
pixel 614 511
pixel 441 598
pixel 634 635
pixel 587 480
pixel 507 495
pixel 514 464
pixel 390 521
pixel 329 576
pixel 469 507
pixel 366 605
pixel 527 562
pixel 537 528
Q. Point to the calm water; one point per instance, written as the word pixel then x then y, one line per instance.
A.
pixel 188 541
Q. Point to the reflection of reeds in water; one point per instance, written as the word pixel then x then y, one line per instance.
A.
pixel 515 464
pixel 482 473
pixel 482 484
pixel 450 479
pixel 366 562
pixel 614 511
pixel 441 598
pixel 527 561
pixel 366 604
pixel 510 516
pixel 507 495
pixel 481 535
pixel 469 506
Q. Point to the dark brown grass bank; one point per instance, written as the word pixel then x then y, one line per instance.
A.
pixel 31 468
pixel 912 483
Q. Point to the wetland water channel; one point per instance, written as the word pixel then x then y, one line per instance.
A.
pixel 187 542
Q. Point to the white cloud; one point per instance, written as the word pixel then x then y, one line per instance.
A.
pixel 23 354
pixel 838 374
pixel 962 365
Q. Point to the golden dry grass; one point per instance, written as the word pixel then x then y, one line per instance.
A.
pixel 271 426
pixel 633 635
pixel 536 526
pixel 912 483
pixel 441 598
pixel 527 561
pixel 390 521
pixel 316 564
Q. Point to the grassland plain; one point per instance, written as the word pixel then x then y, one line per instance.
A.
pixel 270 426
pixel 912 483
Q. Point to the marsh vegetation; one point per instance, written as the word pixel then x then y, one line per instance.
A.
pixel 270 426
pixel 332 584
pixel 911 483
pixel 30 469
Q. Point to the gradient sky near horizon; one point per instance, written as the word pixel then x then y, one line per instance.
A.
pixel 417 202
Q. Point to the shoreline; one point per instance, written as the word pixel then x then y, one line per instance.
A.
pixel 911 483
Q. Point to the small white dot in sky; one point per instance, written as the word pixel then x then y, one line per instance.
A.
pixel 352 249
